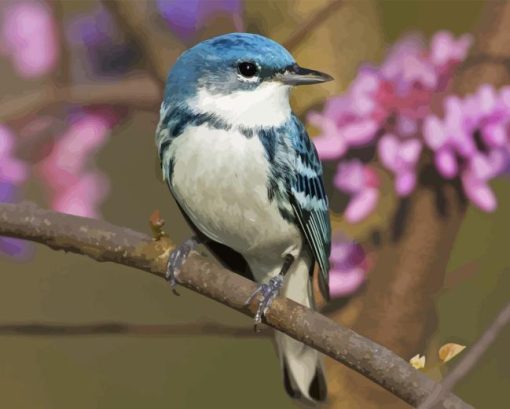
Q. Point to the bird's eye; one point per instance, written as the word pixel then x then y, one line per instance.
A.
pixel 247 69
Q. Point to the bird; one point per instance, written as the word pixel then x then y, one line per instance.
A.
pixel 247 178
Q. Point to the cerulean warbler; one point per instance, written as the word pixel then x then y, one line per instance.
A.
pixel 247 178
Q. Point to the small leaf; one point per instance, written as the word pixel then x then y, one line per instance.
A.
pixel 418 361
pixel 449 351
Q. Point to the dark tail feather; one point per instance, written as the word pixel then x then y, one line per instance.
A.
pixel 318 389
pixel 289 385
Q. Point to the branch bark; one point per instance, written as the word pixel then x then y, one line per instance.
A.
pixel 119 328
pixel 103 241
pixel 311 24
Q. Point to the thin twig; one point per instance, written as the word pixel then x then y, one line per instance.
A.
pixel 471 358
pixel 119 328
pixel 311 24
pixel 103 241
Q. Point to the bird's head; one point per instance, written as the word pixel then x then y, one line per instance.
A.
pixel 236 73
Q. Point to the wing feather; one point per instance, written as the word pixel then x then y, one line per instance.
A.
pixel 309 201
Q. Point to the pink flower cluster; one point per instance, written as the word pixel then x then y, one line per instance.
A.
pixel 349 265
pixel 29 40
pixel 387 110
pixel 472 141
pixel 73 187
pixel 28 36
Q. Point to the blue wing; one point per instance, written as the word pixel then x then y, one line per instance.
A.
pixel 309 201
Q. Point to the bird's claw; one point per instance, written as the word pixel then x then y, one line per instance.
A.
pixel 177 259
pixel 269 291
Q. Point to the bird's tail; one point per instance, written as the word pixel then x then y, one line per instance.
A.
pixel 303 373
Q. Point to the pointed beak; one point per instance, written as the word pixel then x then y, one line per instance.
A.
pixel 296 75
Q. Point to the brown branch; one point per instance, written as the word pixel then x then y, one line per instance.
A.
pixel 471 358
pixel 103 241
pixel 139 92
pixel 118 328
pixel 488 62
pixel 159 49
pixel 311 24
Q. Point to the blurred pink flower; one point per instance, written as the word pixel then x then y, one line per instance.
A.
pixel 12 170
pixel 83 197
pixel 29 38
pixel 406 65
pixel 394 98
pixel 473 140
pixel 445 48
pixel 348 267
pixel 72 186
pixel 350 120
pixel 361 183
pixel 401 157
pixel 389 108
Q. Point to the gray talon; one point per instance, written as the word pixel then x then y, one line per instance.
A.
pixel 269 291
pixel 177 259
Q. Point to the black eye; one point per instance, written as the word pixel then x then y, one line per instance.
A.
pixel 247 69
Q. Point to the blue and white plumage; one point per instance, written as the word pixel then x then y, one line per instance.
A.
pixel 247 177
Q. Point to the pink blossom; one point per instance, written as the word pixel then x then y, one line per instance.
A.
pixel 350 120
pixel 394 97
pixel 348 267
pixel 329 145
pixel 401 158
pixel 361 205
pixel 73 187
pixel 361 183
pixel 472 140
pixel 390 108
pixel 12 170
pixel 83 197
pixel 28 34
pixel 478 192
pixel 445 48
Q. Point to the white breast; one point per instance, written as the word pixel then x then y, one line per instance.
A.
pixel 219 178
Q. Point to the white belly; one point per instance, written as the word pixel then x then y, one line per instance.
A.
pixel 220 178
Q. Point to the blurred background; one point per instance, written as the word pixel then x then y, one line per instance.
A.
pixel 420 256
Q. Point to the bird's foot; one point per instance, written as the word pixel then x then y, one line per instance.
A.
pixel 177 259
pixel 269 291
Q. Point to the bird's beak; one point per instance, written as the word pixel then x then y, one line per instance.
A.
pixel 296 75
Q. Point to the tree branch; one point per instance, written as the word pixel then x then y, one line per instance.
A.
pixel 470 359
pixel 119 328
pixel 159 49
pixel 140 92
pixel 103 241
pixel 309 25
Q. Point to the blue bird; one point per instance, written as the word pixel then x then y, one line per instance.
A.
pixel 247 178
